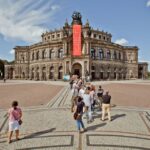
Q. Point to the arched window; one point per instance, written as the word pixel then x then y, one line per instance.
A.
pixel 115 55
pixel 43 54
pixel 52 54
pixel 119 55
pixel 101 54
pixel 33 56
pixel 108 56
pixel 37 55
pixel 93 67
pixel 92 53
pixel 60 53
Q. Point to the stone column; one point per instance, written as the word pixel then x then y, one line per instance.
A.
pixel 30 72
pixel 40 73
pixel 47 72
pixel 56 71
pixel 117 75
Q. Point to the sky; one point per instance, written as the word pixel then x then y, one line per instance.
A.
pixel 23 21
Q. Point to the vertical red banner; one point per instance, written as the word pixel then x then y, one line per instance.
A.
pixel 76 40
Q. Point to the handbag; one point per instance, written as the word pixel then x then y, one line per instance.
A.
pixel 75 115
pixel 20 122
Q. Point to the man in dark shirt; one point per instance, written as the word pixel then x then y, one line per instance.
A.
pixel 106 106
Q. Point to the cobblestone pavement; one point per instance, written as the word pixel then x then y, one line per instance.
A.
pixel 52 127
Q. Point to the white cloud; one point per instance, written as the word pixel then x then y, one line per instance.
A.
pixel 55 7
pixel 22 19
pixel 12 51
pixel 148 3
pixel 122 41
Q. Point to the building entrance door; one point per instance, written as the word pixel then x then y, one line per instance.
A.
pixel 77 72
pixel 77 69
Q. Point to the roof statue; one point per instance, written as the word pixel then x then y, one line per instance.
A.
pixel 76 16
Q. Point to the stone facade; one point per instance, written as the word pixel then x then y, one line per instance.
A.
pixel 53 58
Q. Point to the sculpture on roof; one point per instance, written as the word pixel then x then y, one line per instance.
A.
pixel 76 16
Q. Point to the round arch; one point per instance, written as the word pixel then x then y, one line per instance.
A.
pixel 77 69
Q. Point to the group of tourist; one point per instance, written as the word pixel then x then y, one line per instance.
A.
pixel 84 99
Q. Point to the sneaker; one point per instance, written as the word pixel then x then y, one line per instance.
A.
pixel 84 130
pixel 18 139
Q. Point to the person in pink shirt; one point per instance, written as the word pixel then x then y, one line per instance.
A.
pixel 15 115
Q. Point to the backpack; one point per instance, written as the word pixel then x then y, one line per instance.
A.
pixel 100 93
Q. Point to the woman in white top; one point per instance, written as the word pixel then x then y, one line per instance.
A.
pixel 75 89
pixel 93 96
pixel 87 102
pixel 75 92
pixel 81 91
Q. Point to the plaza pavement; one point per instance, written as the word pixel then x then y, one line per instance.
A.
pixel 52 127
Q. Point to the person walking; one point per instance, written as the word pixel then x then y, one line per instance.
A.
pixel 79 109
pixel 88 103
pixel 74 94
pixel 106 106
pixel 99 95
pixel 81 91
pixel 93 97
pixel 4 80
pixel 15 121
pixel 71 82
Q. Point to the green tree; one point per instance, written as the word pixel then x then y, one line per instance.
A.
pixel 1 69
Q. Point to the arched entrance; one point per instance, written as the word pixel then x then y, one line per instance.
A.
pixel 11 72
pixel 37 74
pixel 77 69
pixel 51 73
pixel 32 74
pixel 23 75
pixel 44 73
pixel 140 72
pixel 60 72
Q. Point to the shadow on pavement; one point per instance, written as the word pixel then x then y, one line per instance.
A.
pixel 96 126
pixel 113 105
pixel 39 133
pixel 117 116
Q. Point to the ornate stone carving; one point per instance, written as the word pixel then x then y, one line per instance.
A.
pixel 76 16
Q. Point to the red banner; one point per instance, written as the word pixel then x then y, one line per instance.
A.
pixel 76 40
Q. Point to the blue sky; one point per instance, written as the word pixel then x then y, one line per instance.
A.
pixel 23 21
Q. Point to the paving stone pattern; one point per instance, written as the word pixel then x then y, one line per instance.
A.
pixel 52 127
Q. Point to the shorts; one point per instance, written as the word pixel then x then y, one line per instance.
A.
pixel 13 126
